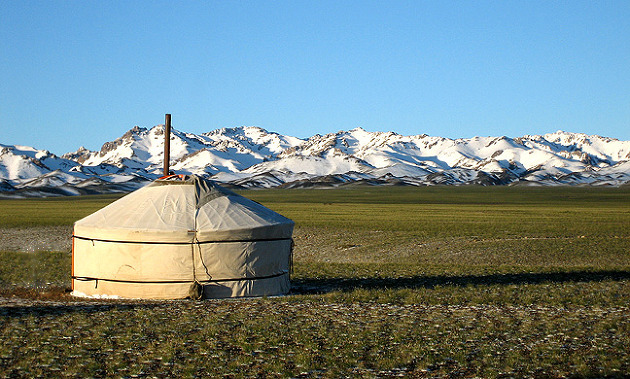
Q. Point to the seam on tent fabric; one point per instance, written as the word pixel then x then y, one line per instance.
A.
pixel 201 258
pixel 180 243
pixel 192 254
pixel 192 246
pixel 196 242
pixel 87 279
pixel 291 257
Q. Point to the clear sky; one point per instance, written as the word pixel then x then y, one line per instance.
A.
pixel 78 73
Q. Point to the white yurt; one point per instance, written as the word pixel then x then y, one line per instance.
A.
pixel 182 236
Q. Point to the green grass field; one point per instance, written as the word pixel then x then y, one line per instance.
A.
pixel 419 282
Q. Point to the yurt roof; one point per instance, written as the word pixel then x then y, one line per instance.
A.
pixel 183 209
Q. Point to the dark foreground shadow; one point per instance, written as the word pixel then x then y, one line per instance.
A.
pixel 325 285
pixel 60 304
pixel 24 308
pixel 56 300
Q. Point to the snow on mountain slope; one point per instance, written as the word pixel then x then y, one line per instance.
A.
pixel 254 139
pixel 253 157
pixel 604 148
pixel 51 179
pixel 26 171
pixel 223 150
pixel 329 162
pixel 23 163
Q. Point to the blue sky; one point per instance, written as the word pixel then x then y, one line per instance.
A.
pixel 78 73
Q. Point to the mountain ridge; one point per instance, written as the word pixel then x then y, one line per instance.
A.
pixel 252 157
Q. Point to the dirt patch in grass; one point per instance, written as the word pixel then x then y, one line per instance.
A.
pixel 38 238
pixel 45 294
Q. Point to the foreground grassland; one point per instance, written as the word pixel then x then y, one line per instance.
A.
pixel 419 282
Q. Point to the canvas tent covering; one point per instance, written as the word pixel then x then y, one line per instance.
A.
pixel 179 236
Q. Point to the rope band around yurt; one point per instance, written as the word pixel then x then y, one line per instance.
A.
pixel 88 279
pixel 196 291
pixel 183 243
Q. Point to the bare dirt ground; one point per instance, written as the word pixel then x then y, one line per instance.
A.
pixel 309 244
pixel 34 239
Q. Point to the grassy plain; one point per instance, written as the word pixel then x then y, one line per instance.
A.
pixel 420 282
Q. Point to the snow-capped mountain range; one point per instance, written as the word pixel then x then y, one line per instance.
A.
pixel 250 157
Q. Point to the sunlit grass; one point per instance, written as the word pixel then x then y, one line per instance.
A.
pixel 274 337
pixel 50 211
pixel 422 282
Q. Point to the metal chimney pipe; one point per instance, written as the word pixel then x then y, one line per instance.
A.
pixel 167 144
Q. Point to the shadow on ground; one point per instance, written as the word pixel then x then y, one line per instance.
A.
pixel 66 308
pixel 19 302
pixel 57 301
pixel 325 285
